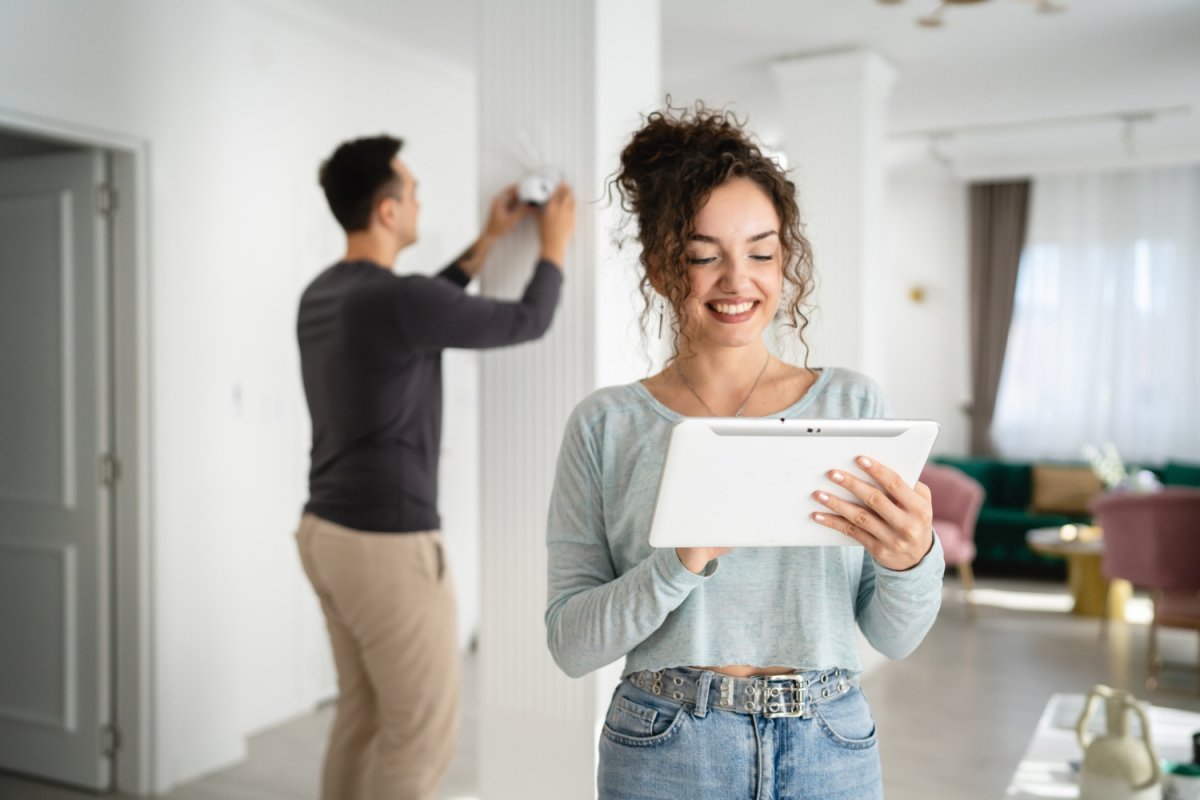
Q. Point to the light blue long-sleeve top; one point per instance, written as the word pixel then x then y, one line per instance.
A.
pixel 611 594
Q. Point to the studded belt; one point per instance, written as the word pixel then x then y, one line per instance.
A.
pixel 792 695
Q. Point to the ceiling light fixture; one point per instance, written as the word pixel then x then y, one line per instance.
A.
pixel 935 18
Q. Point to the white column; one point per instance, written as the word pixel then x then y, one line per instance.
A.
pixel 834 110
pixel 573 77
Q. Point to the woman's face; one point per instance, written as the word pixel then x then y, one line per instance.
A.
pixel 736 267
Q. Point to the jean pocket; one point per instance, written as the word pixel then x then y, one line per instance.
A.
pixel 640 724
pixel 847 721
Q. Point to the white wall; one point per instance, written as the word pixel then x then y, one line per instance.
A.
pixel 925 370
pixel 750 91
pixel 238 101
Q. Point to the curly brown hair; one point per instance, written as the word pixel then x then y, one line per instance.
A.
pixel 668 171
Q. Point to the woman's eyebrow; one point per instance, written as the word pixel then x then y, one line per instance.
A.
pixel 700 237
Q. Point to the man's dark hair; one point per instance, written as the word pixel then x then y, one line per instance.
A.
pixel 357 174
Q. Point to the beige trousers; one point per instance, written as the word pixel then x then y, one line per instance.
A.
pixel 389 606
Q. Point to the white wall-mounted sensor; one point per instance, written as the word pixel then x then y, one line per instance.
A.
pixel 535 189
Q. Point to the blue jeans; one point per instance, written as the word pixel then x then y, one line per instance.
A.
pixel 656 748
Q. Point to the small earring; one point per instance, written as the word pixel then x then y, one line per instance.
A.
pixel 661 306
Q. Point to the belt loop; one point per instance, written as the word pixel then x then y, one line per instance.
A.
pixel 702 685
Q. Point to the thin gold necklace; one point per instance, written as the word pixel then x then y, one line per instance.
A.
pixel 707 407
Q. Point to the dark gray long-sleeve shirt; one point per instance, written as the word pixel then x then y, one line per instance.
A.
pixel 371 355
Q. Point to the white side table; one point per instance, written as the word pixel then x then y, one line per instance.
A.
pixel 1045 770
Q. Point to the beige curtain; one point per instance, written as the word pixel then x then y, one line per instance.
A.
pixel 998 214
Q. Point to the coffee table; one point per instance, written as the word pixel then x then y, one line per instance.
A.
pixel 1083 548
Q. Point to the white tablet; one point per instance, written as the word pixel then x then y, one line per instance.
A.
pixel 734 482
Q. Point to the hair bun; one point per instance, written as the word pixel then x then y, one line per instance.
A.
pixel 680 143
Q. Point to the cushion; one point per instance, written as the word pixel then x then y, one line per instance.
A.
pixel 1063 489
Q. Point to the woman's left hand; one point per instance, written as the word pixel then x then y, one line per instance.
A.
pixel 894 522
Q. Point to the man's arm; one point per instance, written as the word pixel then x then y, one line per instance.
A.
pixel 556 223
pixel 505 213
pixel 473 258
pixel 432 315
pixel 455 274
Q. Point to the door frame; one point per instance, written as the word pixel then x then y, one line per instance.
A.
pixel 131 634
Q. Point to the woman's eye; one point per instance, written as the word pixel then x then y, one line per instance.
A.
pixel 762 258
pixel 701 260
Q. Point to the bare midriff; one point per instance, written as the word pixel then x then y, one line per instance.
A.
pixel 746 670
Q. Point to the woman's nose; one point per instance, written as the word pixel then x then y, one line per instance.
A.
pixel 733 274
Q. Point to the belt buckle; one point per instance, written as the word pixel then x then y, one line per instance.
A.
pixel 775 705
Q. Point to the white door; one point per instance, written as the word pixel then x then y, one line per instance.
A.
pixel 55 509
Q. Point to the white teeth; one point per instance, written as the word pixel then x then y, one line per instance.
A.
pixel 732 310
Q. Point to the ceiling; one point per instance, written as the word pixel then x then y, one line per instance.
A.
pixel 993 62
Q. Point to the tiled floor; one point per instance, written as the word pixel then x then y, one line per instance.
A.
pixel 954 717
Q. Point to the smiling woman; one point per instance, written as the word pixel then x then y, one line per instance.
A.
pixel 670 172
pixel 734 658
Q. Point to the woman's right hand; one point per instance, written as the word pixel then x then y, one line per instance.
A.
pixel 697 558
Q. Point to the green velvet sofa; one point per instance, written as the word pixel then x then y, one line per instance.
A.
pixel 1006 516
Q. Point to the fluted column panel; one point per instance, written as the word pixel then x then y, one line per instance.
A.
pixel 540 81
pixel 834 108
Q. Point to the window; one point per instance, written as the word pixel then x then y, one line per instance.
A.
pixel 1104 343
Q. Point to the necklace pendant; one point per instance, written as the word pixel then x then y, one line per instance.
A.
pixel 707 407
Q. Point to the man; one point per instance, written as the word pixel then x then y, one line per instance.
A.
pixel 370 351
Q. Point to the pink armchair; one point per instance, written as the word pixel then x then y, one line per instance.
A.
pixel 957 499
pixel 1153 541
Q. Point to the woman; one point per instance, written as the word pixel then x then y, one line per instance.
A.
pixel 741 664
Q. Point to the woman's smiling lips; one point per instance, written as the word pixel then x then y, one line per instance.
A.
pixel 733 310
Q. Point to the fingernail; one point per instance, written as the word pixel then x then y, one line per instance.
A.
pixel 837 476
pixel 824 498
pixel 866 462
pixel 819 517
